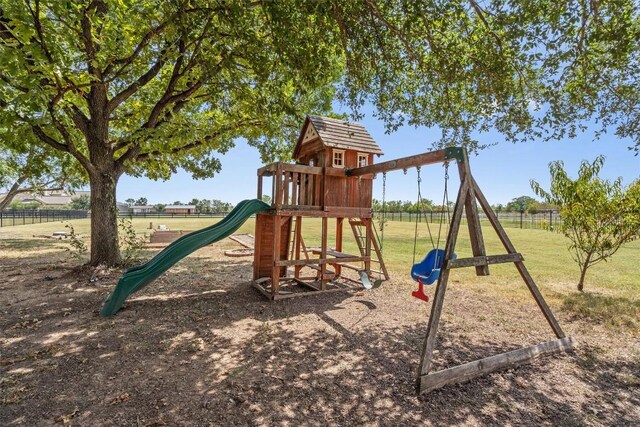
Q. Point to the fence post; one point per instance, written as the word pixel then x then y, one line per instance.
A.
pixel 521 215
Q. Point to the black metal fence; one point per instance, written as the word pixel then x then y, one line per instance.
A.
pixel 11 217
pixel 172 215
pixel 543 220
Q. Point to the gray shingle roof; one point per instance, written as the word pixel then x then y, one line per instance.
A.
pixel 340 134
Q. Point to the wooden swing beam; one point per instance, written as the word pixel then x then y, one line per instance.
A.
pixel 469 195
pixel 430 158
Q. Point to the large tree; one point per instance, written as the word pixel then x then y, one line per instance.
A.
pixel 598 216
pixel 144 88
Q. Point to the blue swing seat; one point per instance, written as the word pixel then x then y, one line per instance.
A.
pixel 428 270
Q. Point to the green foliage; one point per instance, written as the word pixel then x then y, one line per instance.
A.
pixel 598 216
pixel 130 243
pixel 77 248
pixel 82 202
pixel 130 202
pixel 23 205
pixel 159 207
pixel 527 69
pixel 142 201
pixel 521 204
pixel 399 206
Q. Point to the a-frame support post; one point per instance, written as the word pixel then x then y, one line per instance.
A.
pixel 441 286
pixel 468 193
pixel 473 220
pixel 524 273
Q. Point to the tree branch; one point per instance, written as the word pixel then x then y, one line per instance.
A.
pixel 134 152
pixel 87 38
pixel 128 60
pixel 42 135
pixel 140 82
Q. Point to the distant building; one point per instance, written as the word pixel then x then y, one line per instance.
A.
pixel 123 208
pixel 180 209
pixel 49 199
pixel 141 209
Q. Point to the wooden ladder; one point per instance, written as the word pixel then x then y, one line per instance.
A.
pixel 357 224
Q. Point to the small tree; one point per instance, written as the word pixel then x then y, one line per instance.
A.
pixel 598 216
pixel 160 207
pixel 142 201
pixel 130 202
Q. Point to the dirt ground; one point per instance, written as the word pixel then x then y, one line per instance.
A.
pixel 201 347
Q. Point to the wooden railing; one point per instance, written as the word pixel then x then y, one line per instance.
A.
pixel 294 186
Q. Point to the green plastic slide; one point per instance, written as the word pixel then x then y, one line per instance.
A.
pixel 140 276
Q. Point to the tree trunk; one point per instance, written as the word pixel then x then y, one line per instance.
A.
pixel 104 219
pixel 13 191
pixel 583 273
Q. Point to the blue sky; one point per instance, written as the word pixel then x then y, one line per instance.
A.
pixel 502 171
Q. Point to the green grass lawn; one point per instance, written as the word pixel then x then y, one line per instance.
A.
pixel 612 287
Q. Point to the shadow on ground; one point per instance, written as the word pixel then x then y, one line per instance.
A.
pixel 200 346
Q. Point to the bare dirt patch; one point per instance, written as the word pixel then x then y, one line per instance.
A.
pixel 201 347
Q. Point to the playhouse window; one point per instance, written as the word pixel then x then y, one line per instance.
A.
pixel 338 158
pixel 363 159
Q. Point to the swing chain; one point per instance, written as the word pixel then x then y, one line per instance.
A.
pixel 384 209
pixel 384 185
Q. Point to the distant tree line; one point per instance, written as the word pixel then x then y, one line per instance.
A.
pixel 519 204
pixel 202 205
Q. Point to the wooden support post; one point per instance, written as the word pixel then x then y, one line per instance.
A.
pixel 285 188
pixel 441 287
pixel 473 220
pixel 506 242
pixel 484 260
pixel 277 179
pixel 470 370
pixel 294 189
pixel 302 189
pixel 275 271
pixel 367 247
pixel 259 195
pixel 323 254
pixel 376 248
pixel 298 243
pixel 339 224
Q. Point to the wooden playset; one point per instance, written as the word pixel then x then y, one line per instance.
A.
pixel 333 179
pixel 317 186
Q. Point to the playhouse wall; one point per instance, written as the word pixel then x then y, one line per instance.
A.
pixel 263 254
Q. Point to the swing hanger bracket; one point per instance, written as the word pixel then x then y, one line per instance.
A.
pixel 454 153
